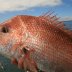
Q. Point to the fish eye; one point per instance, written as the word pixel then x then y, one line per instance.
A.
pixel 5 29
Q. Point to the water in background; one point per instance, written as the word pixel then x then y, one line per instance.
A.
pixel 6 66
pixel 68 24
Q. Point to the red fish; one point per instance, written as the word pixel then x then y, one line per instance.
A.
pixel 37 44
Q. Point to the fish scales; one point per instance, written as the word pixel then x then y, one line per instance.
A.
pixel 37 44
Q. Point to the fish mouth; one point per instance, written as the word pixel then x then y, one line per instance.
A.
pixel 9 54
pixel 4 51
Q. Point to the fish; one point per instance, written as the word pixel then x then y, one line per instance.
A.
pixel 37 43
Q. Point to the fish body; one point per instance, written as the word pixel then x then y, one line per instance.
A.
pixel 37 43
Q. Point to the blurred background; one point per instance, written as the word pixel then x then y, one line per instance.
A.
pixel 61 8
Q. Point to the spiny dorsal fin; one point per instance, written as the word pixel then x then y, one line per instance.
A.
pixel 54 20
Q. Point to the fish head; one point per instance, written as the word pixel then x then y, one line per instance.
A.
pixel 16 34
pixel 10 35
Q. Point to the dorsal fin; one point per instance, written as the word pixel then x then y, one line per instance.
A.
pixel 54 20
